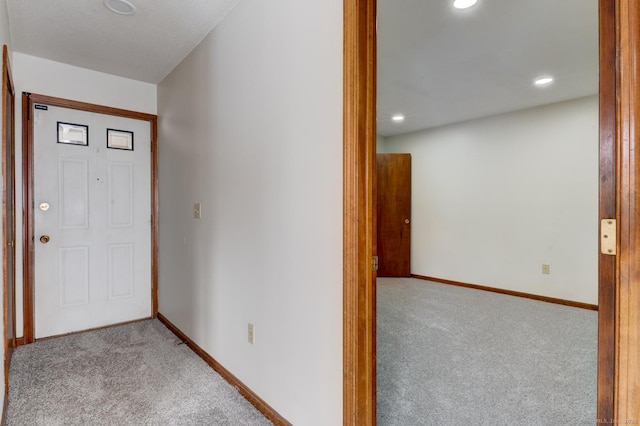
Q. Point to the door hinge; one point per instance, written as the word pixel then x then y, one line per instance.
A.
pixel 608 240
pixel 374 263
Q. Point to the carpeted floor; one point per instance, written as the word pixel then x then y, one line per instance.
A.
pixel 456 356
pixel 135 374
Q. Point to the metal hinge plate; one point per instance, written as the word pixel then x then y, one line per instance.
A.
pixel 374 263
pixel 608 241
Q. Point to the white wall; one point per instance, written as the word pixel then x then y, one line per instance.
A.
pixel 251 127
pixel 4 39
pixel 494 199
pixel 4 27
pixel 44 77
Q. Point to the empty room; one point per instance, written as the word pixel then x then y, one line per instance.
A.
pixel 487 178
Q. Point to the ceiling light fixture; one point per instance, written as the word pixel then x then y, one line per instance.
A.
pixel 121 7
pixel 543 81
pixel 397 118
pixel 464 4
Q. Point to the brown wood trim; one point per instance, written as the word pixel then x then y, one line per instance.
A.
pixel 19 341
pixel 28 99
pixel 626 398
pixel 510 292
pixel 85 106
pixel 154 217
pixel 27 221
pixel 8 264
pixel 607 206
pixel 359 298
pixel 244 390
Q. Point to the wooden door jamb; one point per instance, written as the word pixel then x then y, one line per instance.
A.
pixel 8 89
pixel 607 208
pixel 359 233
pixel 625 289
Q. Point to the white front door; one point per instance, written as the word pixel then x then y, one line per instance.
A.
pixel 92 220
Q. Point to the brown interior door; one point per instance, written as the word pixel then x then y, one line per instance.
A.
pixel 394 215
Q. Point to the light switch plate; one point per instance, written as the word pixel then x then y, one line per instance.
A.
pixel 197 211
pixel 251 333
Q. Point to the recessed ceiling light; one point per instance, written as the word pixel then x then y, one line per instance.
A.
pixel 121 7
pixel 543 81
pixel 397 118
pixel 463 4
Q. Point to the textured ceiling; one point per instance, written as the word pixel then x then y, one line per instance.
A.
pixel 145 46
pixel 439 65
pixel 436 64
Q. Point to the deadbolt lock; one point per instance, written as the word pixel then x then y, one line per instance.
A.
pixel 45 239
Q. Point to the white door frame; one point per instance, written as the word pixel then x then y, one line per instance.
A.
pixel 28 99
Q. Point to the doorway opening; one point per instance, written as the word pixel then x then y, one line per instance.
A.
pixel 359 205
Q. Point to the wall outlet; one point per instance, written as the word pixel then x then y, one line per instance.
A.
pixel 546 270
pixel 251 333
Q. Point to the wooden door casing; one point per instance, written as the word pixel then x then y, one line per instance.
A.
pixel 626 284
pixel 359 212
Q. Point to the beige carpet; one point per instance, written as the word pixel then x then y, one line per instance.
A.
pixel 457 356
pixel 135 374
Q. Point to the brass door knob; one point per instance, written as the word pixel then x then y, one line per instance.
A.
pixel 45 239
pixel 407 221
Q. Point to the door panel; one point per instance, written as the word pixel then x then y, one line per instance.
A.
pixel 74 193
pixel 120 178
pixel 73 264
pixel 94 205
pixel 121 271
pixel 394 214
